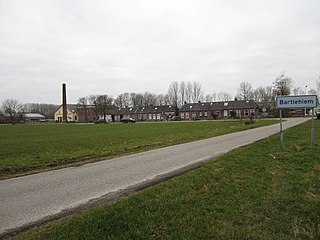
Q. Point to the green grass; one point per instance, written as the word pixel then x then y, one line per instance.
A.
pixel 256 192
pixel 32 148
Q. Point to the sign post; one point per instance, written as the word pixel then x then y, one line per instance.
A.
pixel 312 129
pixel 296 102
pixel 281 132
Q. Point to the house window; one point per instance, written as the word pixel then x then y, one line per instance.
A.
pixel 206 114
pixel 238 112
pixel 200 114
pixel 252 112
pixel 182 115
pixel 246 112
pixel 150 116
pixel 225 104
pixel 187 115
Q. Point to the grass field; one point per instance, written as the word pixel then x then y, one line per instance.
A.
pixel 32 148
pixel 256 192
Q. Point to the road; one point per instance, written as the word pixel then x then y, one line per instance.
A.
pixel 29 200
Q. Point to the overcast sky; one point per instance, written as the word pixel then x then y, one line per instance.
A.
pixel 111 47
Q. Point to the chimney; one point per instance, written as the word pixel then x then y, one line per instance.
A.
pixel 64 103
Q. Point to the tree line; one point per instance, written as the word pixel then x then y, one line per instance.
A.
pixel 183 92
pixel 178 93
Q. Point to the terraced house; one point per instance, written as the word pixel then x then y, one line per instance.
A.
pixel 219 110
pixel 149 113
pixel 189 111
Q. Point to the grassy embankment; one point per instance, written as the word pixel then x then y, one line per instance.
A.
pixel 33 148
pixel 256 192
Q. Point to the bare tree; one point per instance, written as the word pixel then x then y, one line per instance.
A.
pixel 245 91
pixel 259 94
pixel 83 102
pixel 196 92
pixel 160 99
pixel 214 97
pixel 119 101
pixel 13 108
pixel 298 91
pixel 123 100
pixel 136 99
pixel 149 99
pixel 282 85
pixel 312 91
pixel 102 104
pixel 126 99
pixel 166 99
pixel 188 91
pixel 224 96
pixel 208 98
pixel 173 93
pixel 182 92
pixel 256 94
pixel 269 94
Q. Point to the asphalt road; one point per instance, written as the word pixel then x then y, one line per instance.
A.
pixel 28 200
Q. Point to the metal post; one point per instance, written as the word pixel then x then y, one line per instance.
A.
pixel 312 129
pixel 281 132
pixel 305 93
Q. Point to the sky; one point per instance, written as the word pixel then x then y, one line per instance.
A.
pixel 112 47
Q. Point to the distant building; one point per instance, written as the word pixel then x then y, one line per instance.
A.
pixel 32 117
pixel 156 113
pixel 72 115
pixel 189 111
pixel 219 110
pixel 127 112
pixel 149 113
pixel 89 113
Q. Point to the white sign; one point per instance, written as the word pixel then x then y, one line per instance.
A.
pixel 302 101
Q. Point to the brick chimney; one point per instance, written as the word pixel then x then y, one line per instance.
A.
pixel 64 103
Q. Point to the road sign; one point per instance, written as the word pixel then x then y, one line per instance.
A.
pixel 301 101
pixel 294 102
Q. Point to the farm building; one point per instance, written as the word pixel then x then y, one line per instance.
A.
pixel 149 113
pixel 219 110
pixel 72 115
pixel 32 117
